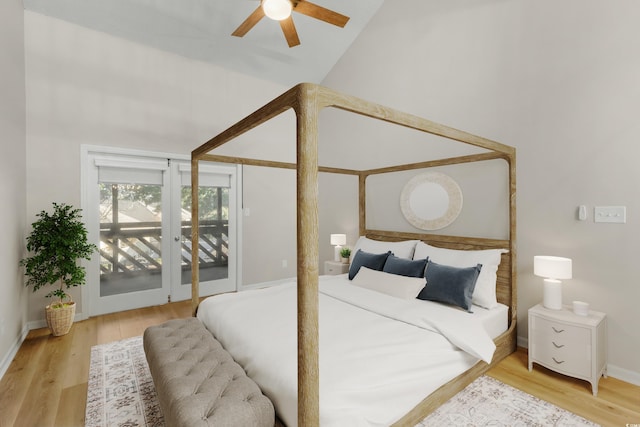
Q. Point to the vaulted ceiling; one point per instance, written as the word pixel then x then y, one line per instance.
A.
pixel 201 30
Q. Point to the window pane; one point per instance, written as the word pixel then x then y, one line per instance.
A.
pixel 213 233
pixel 130 238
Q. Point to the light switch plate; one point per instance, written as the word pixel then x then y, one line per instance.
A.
pixel 617 214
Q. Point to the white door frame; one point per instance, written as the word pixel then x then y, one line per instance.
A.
pixel 90 211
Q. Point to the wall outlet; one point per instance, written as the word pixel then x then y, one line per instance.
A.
pixel 613 214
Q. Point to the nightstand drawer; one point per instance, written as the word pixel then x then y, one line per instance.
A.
pixel 561 346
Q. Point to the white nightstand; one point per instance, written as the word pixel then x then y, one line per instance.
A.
pixel 335 267
pixel 569 344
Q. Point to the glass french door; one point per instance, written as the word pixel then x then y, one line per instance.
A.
pixel 217 230
pixel 140 210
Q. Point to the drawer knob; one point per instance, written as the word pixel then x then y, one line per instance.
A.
pixel 557 345
pixel 558 361
pixel 557 331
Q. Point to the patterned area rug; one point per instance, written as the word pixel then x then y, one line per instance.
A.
pixel 489 402
pixel 121 393
pixel 121 390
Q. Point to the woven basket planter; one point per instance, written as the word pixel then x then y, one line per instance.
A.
pixel 60 320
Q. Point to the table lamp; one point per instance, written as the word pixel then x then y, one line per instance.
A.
pixel 552 268
pixel 338 240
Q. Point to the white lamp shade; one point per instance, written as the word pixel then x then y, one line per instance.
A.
pixel 277 9
pixel 338 239
pixel 552 267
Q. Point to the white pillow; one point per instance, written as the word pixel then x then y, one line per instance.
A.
pixel 402 249
pixel 391 284
pixel 484 293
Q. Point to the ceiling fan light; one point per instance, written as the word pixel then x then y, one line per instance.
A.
pixel 277 9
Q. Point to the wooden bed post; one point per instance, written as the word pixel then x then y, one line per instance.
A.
pixel 195 229
pixel 307 241
pixel 513 239
pixel 362 203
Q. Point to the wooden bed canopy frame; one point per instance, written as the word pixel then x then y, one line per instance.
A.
pixel 307 100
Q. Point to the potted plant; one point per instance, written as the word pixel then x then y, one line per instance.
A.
pixel 56 243
pixel 345 253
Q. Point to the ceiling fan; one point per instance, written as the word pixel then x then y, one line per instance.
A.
pixel 280 10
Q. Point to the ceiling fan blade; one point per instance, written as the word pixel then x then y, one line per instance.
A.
pixel 248 23
pixel 290 33
pixel 318 12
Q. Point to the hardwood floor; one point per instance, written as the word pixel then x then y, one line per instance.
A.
pixel 46 384
pixel 617 404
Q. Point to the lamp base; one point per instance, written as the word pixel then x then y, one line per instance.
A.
pixel 552 294
pixel 336 253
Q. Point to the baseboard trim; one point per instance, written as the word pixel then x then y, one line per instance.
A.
pixel 42 323
pixel 8 358
pixel 37 324
pixel 625 375
pixel 522 342
pixel 614 371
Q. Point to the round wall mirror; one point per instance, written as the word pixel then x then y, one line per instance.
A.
pixel 431 201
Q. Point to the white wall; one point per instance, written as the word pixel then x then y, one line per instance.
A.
pixel 560 81
pixel 86 87
pixel 13 303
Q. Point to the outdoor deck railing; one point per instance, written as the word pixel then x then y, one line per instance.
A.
pixel 136 248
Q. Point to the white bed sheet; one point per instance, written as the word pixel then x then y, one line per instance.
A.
pixel 376 363
pixel 494 320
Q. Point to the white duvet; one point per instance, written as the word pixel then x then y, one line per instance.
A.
pixel 379 356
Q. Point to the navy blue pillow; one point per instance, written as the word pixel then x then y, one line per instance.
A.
pixel 405 267
pixel 372 261
pixel 450 285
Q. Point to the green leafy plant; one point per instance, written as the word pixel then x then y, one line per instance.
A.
pixel 56 243
pixel 345 253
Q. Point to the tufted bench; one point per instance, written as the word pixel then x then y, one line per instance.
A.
pixel 198 383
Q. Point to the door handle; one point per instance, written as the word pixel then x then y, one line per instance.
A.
pixel 177 238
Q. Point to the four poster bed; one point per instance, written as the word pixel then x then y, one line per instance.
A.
pixel 300 401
